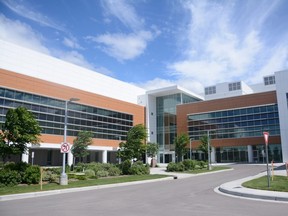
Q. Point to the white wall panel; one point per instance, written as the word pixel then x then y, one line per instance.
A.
pixel 28 62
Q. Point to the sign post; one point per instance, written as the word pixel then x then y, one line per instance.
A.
pixel 266 136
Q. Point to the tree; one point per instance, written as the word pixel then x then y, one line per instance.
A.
pixel 152 151
pixel 181 145
pixel 134 147
pixel 204 145
pixel 81 143
pixel 19 129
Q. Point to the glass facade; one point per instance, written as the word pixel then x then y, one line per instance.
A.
pixel 166 121
pixel 50 113
pixel 236 123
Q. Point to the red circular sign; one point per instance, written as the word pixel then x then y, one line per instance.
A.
pixel 65 147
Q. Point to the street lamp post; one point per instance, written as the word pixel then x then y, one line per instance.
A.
pixel 63 176
pixel 191 148
pixel 209 159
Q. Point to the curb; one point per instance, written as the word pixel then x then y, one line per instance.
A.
pixel 235 188
pixel 254 196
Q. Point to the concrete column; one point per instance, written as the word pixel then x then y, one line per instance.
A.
pixel 173 157
pixel 213 155
pixel 104 156
pixel 70 158
pixel 250 154
pixel 25 156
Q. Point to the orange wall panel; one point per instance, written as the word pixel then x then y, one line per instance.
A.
pixel 33 85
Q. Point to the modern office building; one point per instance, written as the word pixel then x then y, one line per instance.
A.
pixel 234 114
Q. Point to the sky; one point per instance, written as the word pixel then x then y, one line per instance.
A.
pixel 156 43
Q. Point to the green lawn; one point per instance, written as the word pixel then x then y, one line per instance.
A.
pixel 214 168
pixel 279 183
pixel 75 184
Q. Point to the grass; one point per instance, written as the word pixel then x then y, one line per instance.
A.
pixel 279 183
pixel 214 168
pixel 76 184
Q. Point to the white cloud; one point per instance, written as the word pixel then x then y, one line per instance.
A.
pixel 71 43
pixel 123 46
pixel 19 33
pixel 276 62
pixel 28 12
pixel 213 51
pixel 124 12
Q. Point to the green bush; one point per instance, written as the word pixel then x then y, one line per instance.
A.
pixel 175 167
pixel 31 175
pixel 9 178
pixel 49 176
pixel 189 164
pixel 90 173
pixel 203 164
pixel 102 173
pixel 81 177
pixel 9 166
pixel 114 171
pixel 125 166
pixel 80 167
pixel 138 168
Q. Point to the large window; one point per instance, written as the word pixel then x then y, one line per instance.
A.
pixel 210 90
pixel 50 113
pixel 235 86
pixel 236 123
pixel 269 80
pixel 166 118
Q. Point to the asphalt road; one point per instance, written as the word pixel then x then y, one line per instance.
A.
pixel 191 196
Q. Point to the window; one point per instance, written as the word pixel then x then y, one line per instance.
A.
pixel 210 90
pixel 235 86
pixel 269 80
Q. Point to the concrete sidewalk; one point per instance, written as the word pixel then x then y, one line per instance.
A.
pixel 235 188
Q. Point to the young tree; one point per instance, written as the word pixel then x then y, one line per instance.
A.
pixel 152 151
pixel 19 129
pixel 81 143
pixel 134 147
pixel 181 142
pixel 204 145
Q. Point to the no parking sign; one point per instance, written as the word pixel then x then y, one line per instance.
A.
pixel 65 148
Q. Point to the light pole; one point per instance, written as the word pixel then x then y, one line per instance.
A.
pixel 191 148
pixel 63 176
pixel 209 160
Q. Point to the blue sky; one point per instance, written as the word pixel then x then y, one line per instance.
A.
pixel 156 43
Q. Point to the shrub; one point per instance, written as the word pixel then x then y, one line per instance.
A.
pixel 31 175
pixel 175 167
pixel 102 173
pixel 189 164
pixel 202 164
pixel 9 166
pixel 81 177
pixel 49 176
pixel 138 168
pixel 114 171
pixel 89 173
pixel 125 166
pixel 9 177
pixel 80 167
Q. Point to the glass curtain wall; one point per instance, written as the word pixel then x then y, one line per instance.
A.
pixel 50 113
pixel 167 123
